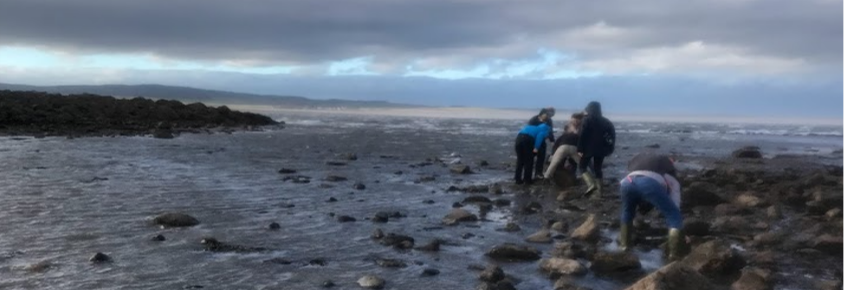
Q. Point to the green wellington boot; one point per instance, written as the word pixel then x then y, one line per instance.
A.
pixel 624 240
pixel 598 188
pixel 675 244
pixel 590 182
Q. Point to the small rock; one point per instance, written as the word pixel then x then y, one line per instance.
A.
pixel 345 219
pixel 560 226
pixel 608 263
pixel 715 258
pixel 351 157
pixel 492 274
pixel 502 202
pixel 332 199
pixel 588 231
pixel 674 276
pixel 39 267
pixel 429 272
pixel 429 201
pixel 274 226
pixel 193 287
pixel 398 241
pixel 513 252
pixel 540 237
pixel 335 178
pixel 749 152
pixel 336 163
pixel 390 263
pixel 380 217
pixel 378 234
pixel 567 283
pixel 371 282
pixel 751 280
pixel 279 261
pixel 99 258
pixel 432 246
pixel 318 262
pixel 532 208
pixel 158 238
pixel 833 214
pixel 286 171
pixel 774 213
pixel 563 266
pixel 175 220
pixel 476 199
pixel 828 244
pixel 328 284
pixel 654 146
pixel 483 163
pixel 511 227
pixel 457 205
pixel 458 215
pixel 466 236
pixel 359 186
pixel 749 200
pixel 829 285
pixel 461 169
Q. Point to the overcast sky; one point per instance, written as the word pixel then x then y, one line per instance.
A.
pixel 719 57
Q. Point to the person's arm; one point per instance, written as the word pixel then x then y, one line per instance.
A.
pixel 583 136
pixel 551 130
pixel 674 189
pixel 540 139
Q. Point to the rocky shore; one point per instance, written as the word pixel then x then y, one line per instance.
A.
pixel 305 208
pixel 43 114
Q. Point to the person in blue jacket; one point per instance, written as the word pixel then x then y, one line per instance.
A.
pixel 528 143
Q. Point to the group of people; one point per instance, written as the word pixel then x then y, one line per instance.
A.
pixel 587 139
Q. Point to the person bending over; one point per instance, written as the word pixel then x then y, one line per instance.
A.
pixel 541 156
pixel 528 142
pixel 652 181
pixel 565 147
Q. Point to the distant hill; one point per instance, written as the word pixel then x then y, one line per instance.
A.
pixel 191 95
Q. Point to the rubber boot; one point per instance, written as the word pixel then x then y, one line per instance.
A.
pixel 675 244
pixel 624 240
pixel 598 188
pixel 590 182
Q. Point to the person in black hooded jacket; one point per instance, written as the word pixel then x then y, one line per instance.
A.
pixel 597 141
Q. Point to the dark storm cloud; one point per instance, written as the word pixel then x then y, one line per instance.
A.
pixel 305 31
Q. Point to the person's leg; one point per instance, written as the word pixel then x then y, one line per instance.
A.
pixel 528 162
pixel 556 160
pixel 541 158
pixel 629 200
pixel 597 169
pixel 657 194
pixel 587 176
pixel 598 166
pixel 519 163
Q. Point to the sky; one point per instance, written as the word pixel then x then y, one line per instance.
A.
pixel 721 57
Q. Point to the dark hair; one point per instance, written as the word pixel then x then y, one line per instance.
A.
pixel 577 116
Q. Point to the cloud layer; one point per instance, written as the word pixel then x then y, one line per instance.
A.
pixel 749 37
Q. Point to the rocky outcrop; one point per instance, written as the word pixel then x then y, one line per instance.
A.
pixel 28 113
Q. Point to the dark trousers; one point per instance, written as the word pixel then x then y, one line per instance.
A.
pixel 524 164
pixel 597 165
pixel 541 158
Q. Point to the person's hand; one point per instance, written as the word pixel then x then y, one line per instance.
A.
pixel 580 154
pixel 535 151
